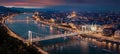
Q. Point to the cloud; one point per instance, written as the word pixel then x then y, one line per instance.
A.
pixel 31 2
pixel 39 3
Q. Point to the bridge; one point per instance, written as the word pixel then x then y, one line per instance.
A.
pixel 27 19
pixel 20 20
pixel 48 37
pixel 31 38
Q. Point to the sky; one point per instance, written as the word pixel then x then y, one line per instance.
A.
pixel 45 3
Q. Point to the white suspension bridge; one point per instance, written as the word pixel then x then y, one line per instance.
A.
pixel 27 19
pixel 42 37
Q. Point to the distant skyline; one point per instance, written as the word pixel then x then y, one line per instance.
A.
pixel 45 3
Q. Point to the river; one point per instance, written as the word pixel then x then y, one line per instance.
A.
pixel 69 45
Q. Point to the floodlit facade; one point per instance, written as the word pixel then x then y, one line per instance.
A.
pixel 117 33
pixel 108 31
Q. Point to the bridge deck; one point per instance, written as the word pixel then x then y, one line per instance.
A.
pixel 53 37
pixel 19 20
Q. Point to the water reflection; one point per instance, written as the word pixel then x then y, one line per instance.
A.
pixel 51 29
pixel 83 46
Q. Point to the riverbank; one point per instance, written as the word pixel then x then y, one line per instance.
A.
pixel 101 38
pixel 89 35
pixel 53 24
pixel 24 41
pixel 10 45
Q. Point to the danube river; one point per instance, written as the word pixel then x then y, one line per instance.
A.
pixel 69 45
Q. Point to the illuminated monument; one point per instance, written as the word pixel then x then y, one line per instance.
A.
pixel 72 15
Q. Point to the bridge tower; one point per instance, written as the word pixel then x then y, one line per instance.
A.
pixel 30 36
pixel 27 19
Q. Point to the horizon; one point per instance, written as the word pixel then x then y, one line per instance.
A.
pixel 83 7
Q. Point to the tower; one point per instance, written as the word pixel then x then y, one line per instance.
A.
pixel 30 36
pixel 27 19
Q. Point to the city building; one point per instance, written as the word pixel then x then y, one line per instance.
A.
pixel 93 27
pixel 72 15
pixel 52 20
pixel 108 31
pixel 72 25
pixel 117 34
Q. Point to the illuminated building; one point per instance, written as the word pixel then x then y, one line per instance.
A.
pixel 108 26
pixel 108 31
pixel 72 25
pixel 93 27
pixel 117 33
pixel 72 15
pixel 52 20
